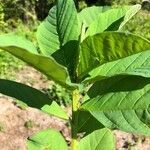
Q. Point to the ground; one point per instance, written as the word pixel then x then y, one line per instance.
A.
pixel 17 124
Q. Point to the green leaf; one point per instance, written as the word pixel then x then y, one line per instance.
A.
pixel 138 64
pixel 46 140
pixel 119 24
pixel 98 140
pixel 26 51
pixel 114 103
pixel 126 120
pixel 32 97
pixel 110 95
pixel 55 110
pixel 90 14
pixel 130 13
pixel 87 123
pixel 47 35
pixel 106 47
pixel 58 34
pixel 103 21
pixel 144 116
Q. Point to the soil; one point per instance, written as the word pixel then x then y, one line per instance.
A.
pixel 14 127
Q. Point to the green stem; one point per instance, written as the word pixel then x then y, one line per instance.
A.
pixel 75 106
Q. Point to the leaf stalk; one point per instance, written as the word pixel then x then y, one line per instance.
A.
pixel 75 106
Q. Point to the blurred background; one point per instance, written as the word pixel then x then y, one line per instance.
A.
pixel 23 18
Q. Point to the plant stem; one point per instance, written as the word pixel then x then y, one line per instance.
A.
pixel 75 106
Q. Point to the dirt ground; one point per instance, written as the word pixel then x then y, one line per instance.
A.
pixel 17 124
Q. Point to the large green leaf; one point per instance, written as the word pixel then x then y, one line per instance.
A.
pixel 138 64
pixel 46 140
pixel 32 97
pixel 26 51
pixel 115 101
pixel 58 34
pixel 98 140
pixel 126 120
pixel 59 27
pixel 110 95
pixel 90 14
pixel 47 35
pixel 55 110
pixel 106 47
pixel 106 19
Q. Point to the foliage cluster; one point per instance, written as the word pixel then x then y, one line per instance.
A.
pixel 86 51
pixel 12 19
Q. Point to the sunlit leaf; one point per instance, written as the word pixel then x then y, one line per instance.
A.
pixel 107 47
pixel 98 140
pixel 55 110
pixel 46 140
pixel 26 51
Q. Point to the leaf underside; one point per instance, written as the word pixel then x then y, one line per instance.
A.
pixel 101 139
pixel 119 102
pixel 46 140
pixel 138 64
pixel 55 110
pixel 107 47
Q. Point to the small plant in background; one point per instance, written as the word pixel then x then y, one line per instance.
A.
pixel 86 52
pixel 1 127
pixel 29 124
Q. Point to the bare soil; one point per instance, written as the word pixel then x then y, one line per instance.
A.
pixel 14 127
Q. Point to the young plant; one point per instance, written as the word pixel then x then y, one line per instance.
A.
pixel 86 51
